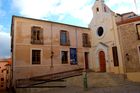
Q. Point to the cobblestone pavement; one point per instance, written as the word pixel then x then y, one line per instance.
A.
pixel 97 83
pixel 118 89
pixel 115 89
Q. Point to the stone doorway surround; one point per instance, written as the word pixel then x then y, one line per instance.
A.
pixel 101 47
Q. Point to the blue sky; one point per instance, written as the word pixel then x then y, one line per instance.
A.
pixel 75 12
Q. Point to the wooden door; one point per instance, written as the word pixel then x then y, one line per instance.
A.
pixel 102 61
pixel 86 60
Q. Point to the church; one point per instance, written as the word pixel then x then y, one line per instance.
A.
pixel 115 41
pixel 110 45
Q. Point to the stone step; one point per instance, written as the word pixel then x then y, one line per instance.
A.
pixel 31 82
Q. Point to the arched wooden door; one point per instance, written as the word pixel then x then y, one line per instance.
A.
pixel 102 61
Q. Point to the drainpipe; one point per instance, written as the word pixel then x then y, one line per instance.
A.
pixel 51 48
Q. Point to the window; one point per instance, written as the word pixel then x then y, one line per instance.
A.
pixel 2 79
pixel 36 56
pixel 36 35
pixel 138 30
pixel 100 31
pixel 115 56
pixel 64 57
pixel 64 38
pixel 97 9
pixel 86 42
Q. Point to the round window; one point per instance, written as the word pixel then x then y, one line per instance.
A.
pixel 100 31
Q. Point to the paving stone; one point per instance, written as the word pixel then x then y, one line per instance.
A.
pixel 97 83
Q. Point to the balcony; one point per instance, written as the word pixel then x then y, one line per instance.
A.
pixel 39 42
pixel 87 44
pixel 65 43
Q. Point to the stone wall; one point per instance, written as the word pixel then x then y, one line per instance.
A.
pixel 22 51
pixel 129 47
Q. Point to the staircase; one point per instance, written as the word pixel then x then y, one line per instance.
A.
pixel 46 80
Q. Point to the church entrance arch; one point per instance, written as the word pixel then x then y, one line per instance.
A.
pixel 102 61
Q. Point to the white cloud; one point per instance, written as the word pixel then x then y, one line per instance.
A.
pixel 4 43
pixel 80 9
pixel 43 8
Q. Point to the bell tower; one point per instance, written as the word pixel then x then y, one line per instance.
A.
pixel 101 15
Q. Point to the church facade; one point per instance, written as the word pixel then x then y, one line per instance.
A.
pixel 105 50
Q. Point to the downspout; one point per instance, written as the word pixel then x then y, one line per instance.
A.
pixel 51 48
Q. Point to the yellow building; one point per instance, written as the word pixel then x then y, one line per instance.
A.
pixel 42 47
